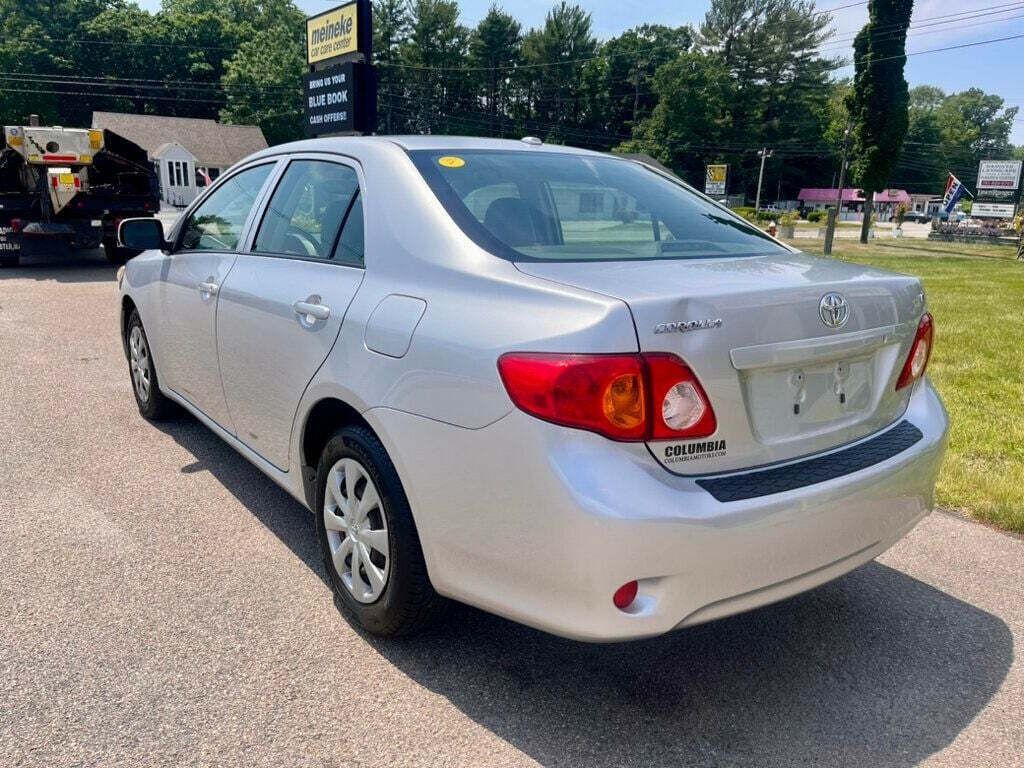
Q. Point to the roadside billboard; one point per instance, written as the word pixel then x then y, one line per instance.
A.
pixel 335 99
pixel 998 189
pixel 340 87
pixel 332 33
pixel 986 210
pixel 1001 175
pixel 714 180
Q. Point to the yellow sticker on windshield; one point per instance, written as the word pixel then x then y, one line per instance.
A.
pixel 448 161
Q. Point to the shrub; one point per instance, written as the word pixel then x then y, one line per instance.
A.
pixel 788 219
pixel 815 216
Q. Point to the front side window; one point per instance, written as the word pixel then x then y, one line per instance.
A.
pixel 216 225
pixel 307 210
pixel 548 206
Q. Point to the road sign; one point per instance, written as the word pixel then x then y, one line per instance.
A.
pixel 983 209
pixel 999 175
pixel 714 180
pixel 340 89
pixel 332 33
pixel 998 189
pixel 336 99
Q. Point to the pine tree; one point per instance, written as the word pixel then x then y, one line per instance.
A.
pixel 879 101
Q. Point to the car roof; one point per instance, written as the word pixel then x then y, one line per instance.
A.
pixel 479 142
pixel 352 144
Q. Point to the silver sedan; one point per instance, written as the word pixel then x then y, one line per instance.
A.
pixel 558 385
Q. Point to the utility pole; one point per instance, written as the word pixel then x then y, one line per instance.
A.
pixel 833 214
pixel 765 153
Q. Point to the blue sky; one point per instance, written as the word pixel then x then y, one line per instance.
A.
pixel 997 68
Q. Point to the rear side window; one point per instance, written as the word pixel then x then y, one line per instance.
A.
pixel 350 244
pixel 216 225
pixel 594 214
pixel 307 210
pixel 553 206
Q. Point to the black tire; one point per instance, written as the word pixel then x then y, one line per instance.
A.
pixel 408 602
pixel 9 261
pixel 156 406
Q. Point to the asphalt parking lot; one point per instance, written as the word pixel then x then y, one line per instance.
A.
pixel 162 603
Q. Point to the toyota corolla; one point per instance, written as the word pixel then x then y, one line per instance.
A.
pixel 558 385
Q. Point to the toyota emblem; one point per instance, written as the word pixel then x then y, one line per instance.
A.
pixel 833 310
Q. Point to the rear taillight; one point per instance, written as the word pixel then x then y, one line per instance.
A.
pixel 920 352
pixel 681 408
pixel 623 397
pixel 602 393
pixel 17 225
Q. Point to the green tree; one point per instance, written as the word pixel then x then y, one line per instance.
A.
pixel 557 55
pixel 693 91
pixel 39 44
pixel 878 104
pixel 631 60
pixel 495 53
pixel 262 81
pixel 975 125
pixel 922 165
pixel 770 48
pixel 439 96
pixel 390 33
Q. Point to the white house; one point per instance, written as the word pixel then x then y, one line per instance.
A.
pixel 187 152
pixel 176 167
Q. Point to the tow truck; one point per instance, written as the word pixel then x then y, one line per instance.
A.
pixel 69 188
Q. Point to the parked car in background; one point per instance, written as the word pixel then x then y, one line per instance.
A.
pixel 917 217
pixel 557 385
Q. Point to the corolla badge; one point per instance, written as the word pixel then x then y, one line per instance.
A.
pixel 683 326
pixel 833 310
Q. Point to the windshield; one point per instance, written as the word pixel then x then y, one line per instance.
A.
pixel 543 206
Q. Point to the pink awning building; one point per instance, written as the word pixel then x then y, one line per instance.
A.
pixel 822 196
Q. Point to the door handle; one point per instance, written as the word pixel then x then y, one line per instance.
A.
pixel 209 287
pixel 311 309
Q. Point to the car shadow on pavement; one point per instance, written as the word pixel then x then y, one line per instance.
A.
pixel 874 669
pixel 73 267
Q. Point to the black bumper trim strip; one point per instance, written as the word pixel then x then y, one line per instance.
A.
pixel 817 470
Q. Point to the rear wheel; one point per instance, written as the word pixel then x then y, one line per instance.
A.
pixel 153 405
pixel 370 545
pixel 9 261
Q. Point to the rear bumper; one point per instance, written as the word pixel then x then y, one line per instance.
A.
pixel 38 238
pixel 542 524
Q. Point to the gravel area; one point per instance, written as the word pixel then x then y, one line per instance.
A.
pixel 162 603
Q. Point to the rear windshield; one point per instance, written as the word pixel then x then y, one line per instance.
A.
pixel 546 206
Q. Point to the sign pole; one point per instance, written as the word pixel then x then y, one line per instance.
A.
pixel 765 153
pixel 833 215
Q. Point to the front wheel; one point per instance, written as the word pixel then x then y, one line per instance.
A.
pixel 153 404
pixel 370 545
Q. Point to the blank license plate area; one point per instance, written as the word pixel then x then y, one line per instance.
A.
pixel 809 399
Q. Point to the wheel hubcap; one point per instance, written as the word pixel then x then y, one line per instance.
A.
pixel 140 364
pixel 357 531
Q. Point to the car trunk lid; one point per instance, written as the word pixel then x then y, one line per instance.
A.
pixel 783 382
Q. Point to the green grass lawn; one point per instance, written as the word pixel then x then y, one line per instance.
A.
pixel 976 294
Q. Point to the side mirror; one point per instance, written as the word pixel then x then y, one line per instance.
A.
pixel 142 235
